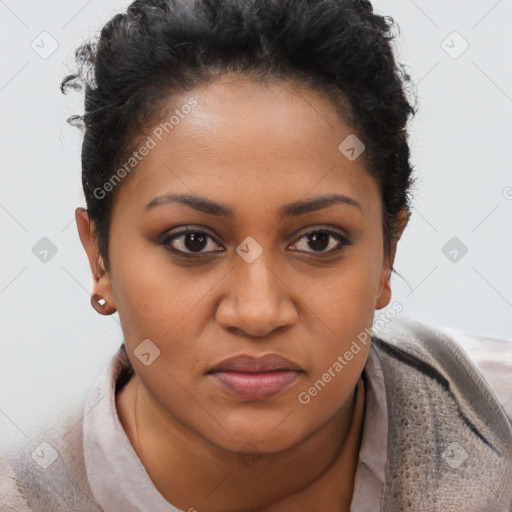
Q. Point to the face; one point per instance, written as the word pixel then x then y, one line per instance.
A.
pixel 245 231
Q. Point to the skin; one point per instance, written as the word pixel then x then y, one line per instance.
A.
pixel 253 147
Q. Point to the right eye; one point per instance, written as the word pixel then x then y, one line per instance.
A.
pixel 190 242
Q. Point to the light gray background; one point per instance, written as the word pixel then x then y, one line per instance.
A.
pixel 54 345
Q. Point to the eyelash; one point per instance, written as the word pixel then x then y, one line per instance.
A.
pixel 343 240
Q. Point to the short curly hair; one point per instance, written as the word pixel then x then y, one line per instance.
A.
pixel 158 48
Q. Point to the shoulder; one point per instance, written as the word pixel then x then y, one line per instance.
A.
pixel 11 499
pixel 47 470
pixel 454 355
pixel 446 396
pixel 493 359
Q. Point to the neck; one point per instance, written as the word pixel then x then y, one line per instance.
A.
pixel 213 479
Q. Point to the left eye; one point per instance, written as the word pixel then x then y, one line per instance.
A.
pixel 321 239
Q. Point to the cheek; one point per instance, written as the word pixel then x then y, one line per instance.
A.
pixel 345 303
pixel 340 354
pixel 346 314
pixel 155 298
pixel 325 391
pixel 167 305
pixel 338 362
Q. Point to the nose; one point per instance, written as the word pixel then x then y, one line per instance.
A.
pixel 258 300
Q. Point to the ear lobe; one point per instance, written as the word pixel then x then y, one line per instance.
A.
pixel 101 278
pixel 384 297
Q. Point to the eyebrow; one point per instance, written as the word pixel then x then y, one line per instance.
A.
pixel 294 209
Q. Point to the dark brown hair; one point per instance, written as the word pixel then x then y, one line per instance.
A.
pixel 158 48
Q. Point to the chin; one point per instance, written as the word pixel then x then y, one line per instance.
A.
pixel 259 437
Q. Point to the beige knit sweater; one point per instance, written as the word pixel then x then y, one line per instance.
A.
pixel 437 401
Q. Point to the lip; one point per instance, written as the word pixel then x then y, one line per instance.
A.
pixel 246 363
pixel 251 378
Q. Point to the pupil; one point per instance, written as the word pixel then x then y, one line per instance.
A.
pixel 197 241
pixel 318 241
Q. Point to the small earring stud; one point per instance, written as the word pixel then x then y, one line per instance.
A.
pixel 101 305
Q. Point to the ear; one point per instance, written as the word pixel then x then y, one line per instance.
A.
pixel 101 278
pixel 384 293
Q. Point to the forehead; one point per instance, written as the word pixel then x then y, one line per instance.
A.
pixel 240 142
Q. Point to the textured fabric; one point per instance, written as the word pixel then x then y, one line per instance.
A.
pixel 449 444
pixel 10 499
pixel 63 485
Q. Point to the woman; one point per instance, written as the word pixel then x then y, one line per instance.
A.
pixel 246 171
